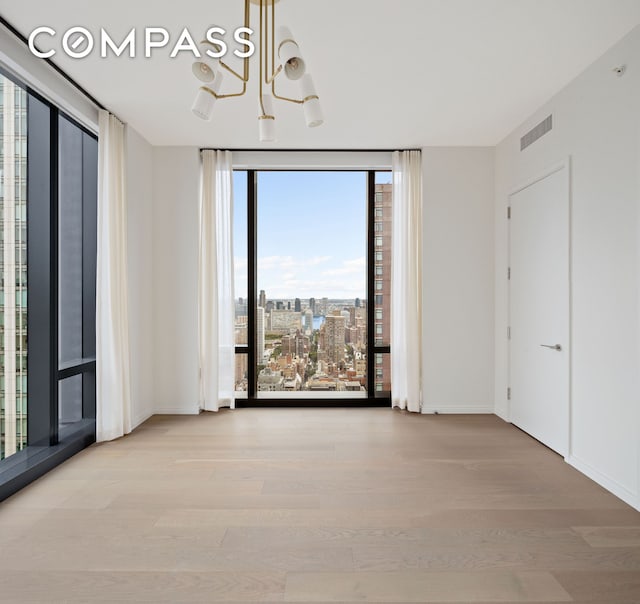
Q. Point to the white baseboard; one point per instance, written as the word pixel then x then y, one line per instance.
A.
pixel 445 409
pixel 503 416
pixel 140 419
pixel 604 481
pixel 188 410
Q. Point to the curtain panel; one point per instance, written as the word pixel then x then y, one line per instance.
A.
pixel 406 281
pixel 216 314
pixel 113 389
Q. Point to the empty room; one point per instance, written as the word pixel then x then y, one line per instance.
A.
pixel 320 302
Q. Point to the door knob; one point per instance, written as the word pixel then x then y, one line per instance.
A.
pixel 553 347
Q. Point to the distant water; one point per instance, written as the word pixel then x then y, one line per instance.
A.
pixel 317 322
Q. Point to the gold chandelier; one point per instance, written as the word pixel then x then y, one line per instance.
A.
pixel 278 54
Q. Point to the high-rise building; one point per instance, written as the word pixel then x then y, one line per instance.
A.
pixel 241 372
pixel 241 308
pixel 307 321
pixel 382 290
pixel 297 305
pixel 241 329
pixel 351 335
pixel 296 344
pixel 334 338
pixel 312 305
pixel 324 307
pixel 260 334
pixel 13 268
pixel 285 321
pixel 262 299
pixel 361 326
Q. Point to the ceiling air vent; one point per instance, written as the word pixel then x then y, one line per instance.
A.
pixel 536 132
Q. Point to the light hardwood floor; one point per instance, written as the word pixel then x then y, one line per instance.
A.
pixel 318 505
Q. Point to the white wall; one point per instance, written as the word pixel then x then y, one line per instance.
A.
pixel 596 121
pixel 140 265
pixel 176 176
pixel 458 285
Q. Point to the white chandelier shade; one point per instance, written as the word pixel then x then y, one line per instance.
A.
pixel 289 55
pixel 266 120
pixel 310 102
pixel 205 67
pixel 206 98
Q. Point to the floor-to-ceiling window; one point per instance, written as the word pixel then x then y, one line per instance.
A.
pixel 312 281
pixel 77 169
pixel 48 196
pixel 13 267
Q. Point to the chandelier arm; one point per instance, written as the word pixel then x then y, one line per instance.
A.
pixel 284 98
pixel 227 96
pixel 273 40
pixel 274 76
pixel 245 77
pixel 262 28
pixel 233 72
pixel 247 24
pixel 274 72
pixel 223 96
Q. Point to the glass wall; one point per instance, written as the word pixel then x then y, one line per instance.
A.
pixel 240 254
pixel 48 211
pixel 312 284
pixel 77 197
pixel 13 267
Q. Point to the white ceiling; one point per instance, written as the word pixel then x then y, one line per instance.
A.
pixel 390 73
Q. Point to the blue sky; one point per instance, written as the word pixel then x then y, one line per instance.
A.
pixel 311 234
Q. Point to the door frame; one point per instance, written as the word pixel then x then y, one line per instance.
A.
pixel 565 164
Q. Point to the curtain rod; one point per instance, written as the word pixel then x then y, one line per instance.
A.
pixel 60 71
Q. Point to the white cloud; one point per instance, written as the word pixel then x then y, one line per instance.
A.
pixel 293 277
pixel 289 262
pixel 318 260
pixel 349 267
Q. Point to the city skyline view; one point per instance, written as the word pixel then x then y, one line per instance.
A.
pixel 312 330
pixel 311 233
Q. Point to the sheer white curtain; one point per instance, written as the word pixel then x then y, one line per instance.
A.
pixel 113 403
pixel 216 312
pixel 406 281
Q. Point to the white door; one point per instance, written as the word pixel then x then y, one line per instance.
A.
pixel 539 309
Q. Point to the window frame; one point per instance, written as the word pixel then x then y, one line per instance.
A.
pixel 373 395
pixel 47 444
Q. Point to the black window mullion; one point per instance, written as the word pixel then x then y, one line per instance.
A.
pixel 251 283
pixel 371 278
pixel 54 267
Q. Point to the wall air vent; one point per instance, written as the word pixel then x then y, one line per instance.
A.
pixel 536 132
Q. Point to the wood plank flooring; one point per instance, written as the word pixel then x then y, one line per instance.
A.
pixel 318 505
